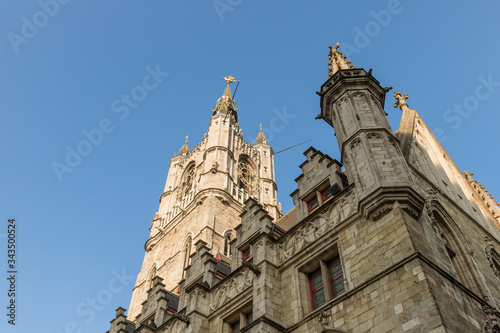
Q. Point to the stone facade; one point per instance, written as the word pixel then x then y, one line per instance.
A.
pixel 399 241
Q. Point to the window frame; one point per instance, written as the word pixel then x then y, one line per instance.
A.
pixel 335 278
pixel 313 291
pixel 244 254
pixel 310 202
pixel 323 265
pixel 323 194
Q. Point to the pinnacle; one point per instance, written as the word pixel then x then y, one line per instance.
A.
pixel 226 103
pixel 337 61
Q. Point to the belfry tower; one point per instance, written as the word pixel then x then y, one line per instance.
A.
pixel 203 198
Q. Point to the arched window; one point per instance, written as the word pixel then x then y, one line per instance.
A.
pixel 493 259
pixel 186 182
pixel 186 255
pixel 227 239
pixel 455 249
pixel 246 174
pixel 152 274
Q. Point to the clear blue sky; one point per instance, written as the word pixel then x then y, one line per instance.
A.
pixel 68 75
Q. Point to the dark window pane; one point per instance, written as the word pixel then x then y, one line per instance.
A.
pixel 313 204
pixel 335 267
pixel 338 286
pixel 319 298
pixel 316 280
pixel 328 193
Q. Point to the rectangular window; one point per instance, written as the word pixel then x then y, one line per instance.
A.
pixel 336 277
pixel 324 279
pixel 246 254
pixel 313 204
pixel 318 297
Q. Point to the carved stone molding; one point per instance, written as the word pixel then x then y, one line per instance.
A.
pixel 492 322
pixel 312 230
pixel 383 211
pixel 231 288
pixel 490 252
pixel 381 201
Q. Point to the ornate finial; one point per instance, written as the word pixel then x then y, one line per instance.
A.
pixel 229 79
pixel 261 138
pixel 184 149
pixel 226 102
pixel 280 210
pixel 337 61
pixel 401 101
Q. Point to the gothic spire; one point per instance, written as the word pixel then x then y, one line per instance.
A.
pixel 226 104
pixel 261 138
pixel 185 148
pixel 337 61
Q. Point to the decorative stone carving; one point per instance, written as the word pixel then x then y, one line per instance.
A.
pixel 401 101
pixel 383 211
pixel 492 323
pixel 324 319
pixel 489 251
pixel 487 198
pixel 311 230
pixel 231 288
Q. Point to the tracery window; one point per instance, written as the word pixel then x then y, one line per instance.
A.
pixel 246 175
pixel 186 182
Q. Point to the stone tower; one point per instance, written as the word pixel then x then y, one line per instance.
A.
pixel 352 101
pixel 203 198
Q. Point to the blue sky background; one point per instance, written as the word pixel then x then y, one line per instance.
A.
pixel 74 233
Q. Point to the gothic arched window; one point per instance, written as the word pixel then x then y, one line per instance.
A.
pixel 227 245
pixel 151 276
pixel 245 174
pixel 186 182
pixel 493 259
pixel 456 253
pixel 186 255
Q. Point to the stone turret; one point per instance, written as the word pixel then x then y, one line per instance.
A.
pixel 352 101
